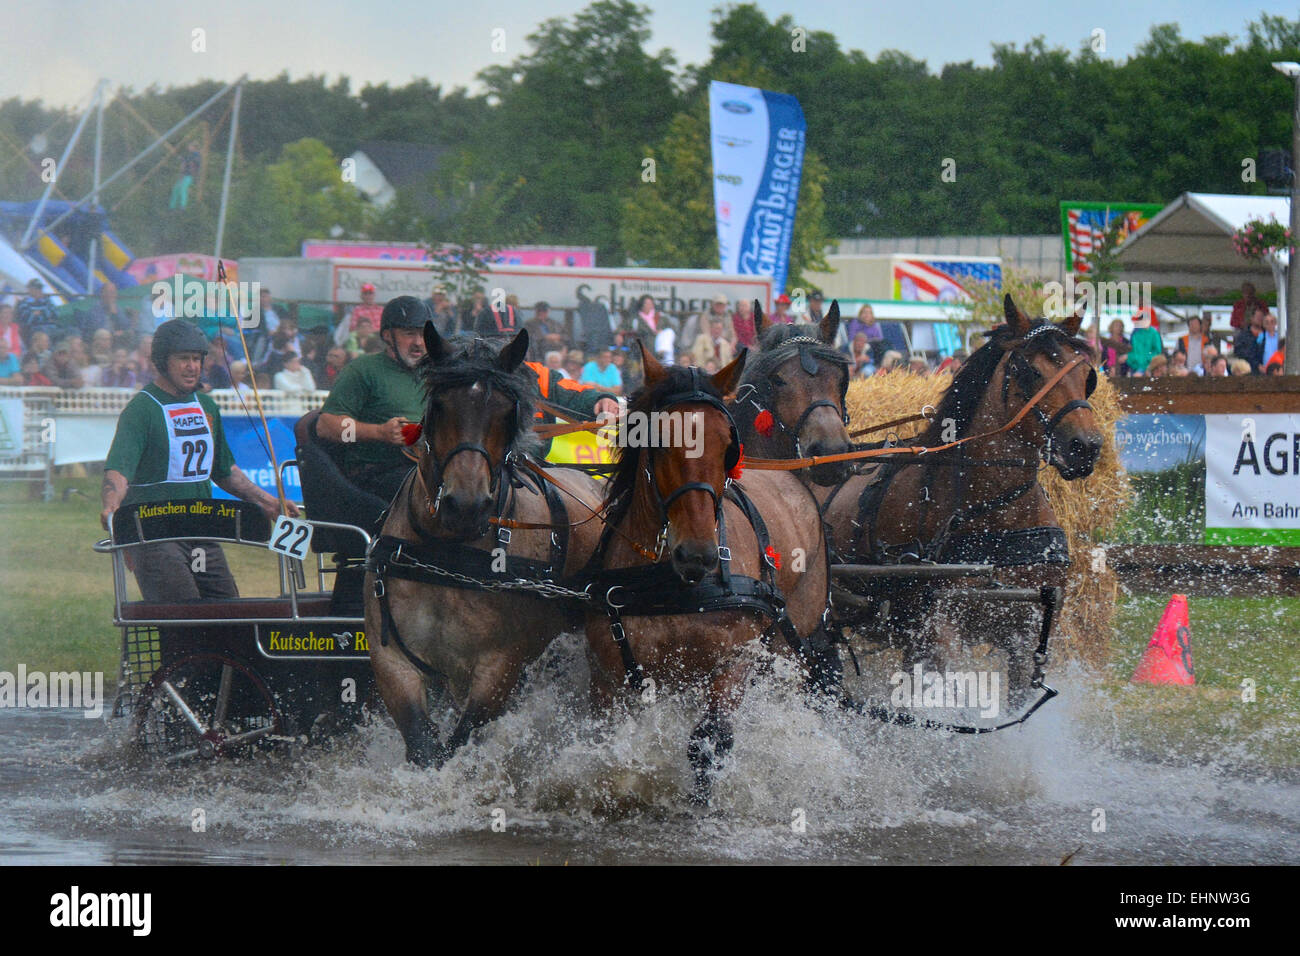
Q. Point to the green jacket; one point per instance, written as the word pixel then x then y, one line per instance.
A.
pixel 1145 344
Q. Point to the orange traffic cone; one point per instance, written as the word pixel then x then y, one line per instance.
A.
pixel 1168 658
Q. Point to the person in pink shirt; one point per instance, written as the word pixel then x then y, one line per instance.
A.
pixel 9 330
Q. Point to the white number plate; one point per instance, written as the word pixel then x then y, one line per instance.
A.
pixel 291 537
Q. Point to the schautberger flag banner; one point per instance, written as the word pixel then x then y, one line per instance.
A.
pixel 758 144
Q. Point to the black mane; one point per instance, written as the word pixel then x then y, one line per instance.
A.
pixel 472 360
pixel 963 395
pixel 646 400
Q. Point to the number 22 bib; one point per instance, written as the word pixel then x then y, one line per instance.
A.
pixel 189 442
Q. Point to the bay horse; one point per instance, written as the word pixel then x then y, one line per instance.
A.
pixel 443 585
pixel 978 503
pixel 696 562
pixel 790 402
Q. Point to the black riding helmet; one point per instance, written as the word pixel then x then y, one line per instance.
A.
pixel 176 335
pixel 404 312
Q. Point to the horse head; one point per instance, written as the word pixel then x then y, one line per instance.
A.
pixel 691 446
pixel 1063 425
pixel 476 413
pixel 791 400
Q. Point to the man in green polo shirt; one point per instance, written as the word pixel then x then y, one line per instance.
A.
pixel 170 446
pixel 374 396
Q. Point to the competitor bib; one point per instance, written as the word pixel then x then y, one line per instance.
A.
pixel 189 442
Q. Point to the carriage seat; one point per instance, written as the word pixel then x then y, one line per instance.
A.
pixel 329 495
pixel 226 609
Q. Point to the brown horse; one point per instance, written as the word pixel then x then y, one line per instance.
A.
pixel 449 593
pixel 790 401
pixel 980 502
pixel 696 565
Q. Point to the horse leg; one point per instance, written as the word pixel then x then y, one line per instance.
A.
pixel 495 676
pixel 713 737
pixel 403 691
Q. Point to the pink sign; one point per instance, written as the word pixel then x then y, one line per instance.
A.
pixel 179 263
pixel 577 257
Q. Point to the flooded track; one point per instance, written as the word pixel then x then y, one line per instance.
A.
pixel 577 790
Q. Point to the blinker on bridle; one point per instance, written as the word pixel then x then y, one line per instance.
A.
pixel 808 362
pixel 1025 372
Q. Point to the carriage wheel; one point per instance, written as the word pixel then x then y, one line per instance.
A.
pixel 202 707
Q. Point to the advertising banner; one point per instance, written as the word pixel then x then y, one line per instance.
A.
pixel 578 257
pixel 921 279
pixel 1084 225
pixel 758 144
pixel 1252 479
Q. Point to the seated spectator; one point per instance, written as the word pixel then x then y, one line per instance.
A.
pixel 273 358
pixel 742 323
pixel 62 369
pixel 1248 345
pixel 270 319
pixel 441 311
pixel 1241 366
pixel 9 330
pixel 544 333
pixel 602 372
pixel 712 344
pixel 40 347
pixel 239 379
pixel 335 359
pixel 11 367
pixel 1268 343
pixel 711 367
pixel 356 342
pixel 1218 367
pixel 215 371
pixel 36 312
pixel 918 364
pixel 144 357
pixel 368 309
pixel 891 360
pixel 555 362
pixel 861 355
pixel 781 312
pixel 1144 344
pixel 33 377
pixel 1158 367
pixel 1274 367
pixel 373 345
pixel 105 315
pixel 1178 364
pixel 1194 342
pixel 294 377
pixel 700 324
pixel 119 374
pixel 1207 357
pixel 101 347
pixel 1114 349
pixel 865 324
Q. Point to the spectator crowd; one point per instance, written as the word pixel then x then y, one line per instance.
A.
pixel 109 346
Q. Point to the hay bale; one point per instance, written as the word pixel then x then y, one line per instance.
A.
pixel 1086 510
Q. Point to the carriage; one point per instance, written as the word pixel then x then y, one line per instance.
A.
pixel 220 677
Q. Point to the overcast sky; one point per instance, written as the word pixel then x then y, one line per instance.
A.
pixel 56 49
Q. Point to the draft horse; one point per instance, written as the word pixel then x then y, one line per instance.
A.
pixel 696 562
pixel 979 502
pixel 459 584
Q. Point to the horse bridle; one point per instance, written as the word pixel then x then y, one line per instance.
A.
pixel 1024 372
pixel 440 465
pixel 695 394
pixel 808 362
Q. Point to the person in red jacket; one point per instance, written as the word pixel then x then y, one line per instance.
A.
pixel 1245 307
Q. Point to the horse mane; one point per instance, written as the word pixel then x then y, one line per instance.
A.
pixel 972 381
pixel 645 400
pixel 471 360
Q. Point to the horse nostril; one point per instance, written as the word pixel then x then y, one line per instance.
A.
pixel 679 554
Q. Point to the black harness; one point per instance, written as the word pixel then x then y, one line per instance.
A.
pixel 653 590
pixel 448 563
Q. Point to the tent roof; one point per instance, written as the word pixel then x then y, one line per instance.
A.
pixel 1188 243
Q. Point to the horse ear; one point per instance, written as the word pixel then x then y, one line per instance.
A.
pixel 653 371
pixel 761 324
pixel 509 357
pixel 1071 324
pixel 433 343
pixel 1018 321
pixel 830 325
pixel 728 377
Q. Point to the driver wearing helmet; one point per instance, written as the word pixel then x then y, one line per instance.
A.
pixel 375 395
pixel 170 445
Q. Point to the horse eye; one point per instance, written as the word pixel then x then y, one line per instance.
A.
pixel 777 379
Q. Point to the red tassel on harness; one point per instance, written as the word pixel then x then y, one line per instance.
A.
pixel 774 557
pixel 763 423
pixel 738 468
pixel 411 432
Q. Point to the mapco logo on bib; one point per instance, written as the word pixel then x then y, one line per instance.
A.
pixel 189 421
pixel 736 106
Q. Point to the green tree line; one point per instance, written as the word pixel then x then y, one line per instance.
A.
pixel 554 147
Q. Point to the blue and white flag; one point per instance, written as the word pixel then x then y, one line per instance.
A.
pixel 758 144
